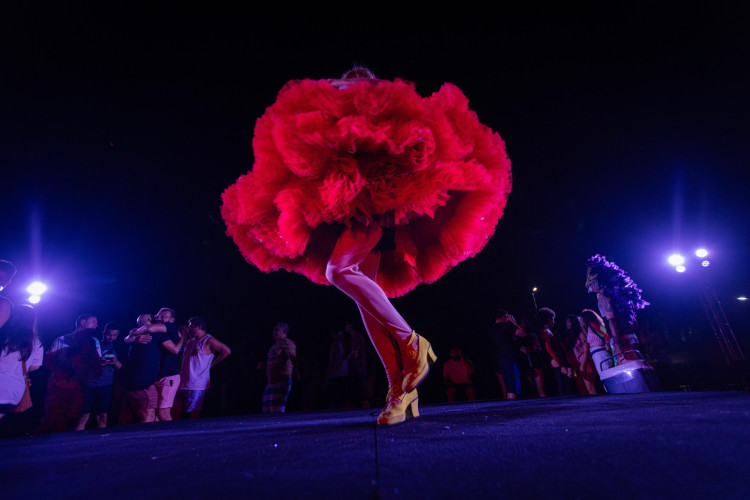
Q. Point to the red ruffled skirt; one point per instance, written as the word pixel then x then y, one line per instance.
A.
pixel 373 152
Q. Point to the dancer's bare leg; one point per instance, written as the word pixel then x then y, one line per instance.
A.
pixel 379 335
pixel 343 271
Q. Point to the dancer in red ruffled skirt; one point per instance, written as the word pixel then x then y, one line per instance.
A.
pixel 363 184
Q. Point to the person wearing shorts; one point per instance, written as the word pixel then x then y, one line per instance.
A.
pixel 166 390
pixel 144 362
pixel 169 367
pixel 143 403
pixel 192 402
pixel 202 351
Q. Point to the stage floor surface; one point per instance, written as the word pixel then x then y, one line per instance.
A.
pixel 657 445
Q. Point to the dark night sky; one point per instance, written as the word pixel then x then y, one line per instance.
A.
pixel 627 129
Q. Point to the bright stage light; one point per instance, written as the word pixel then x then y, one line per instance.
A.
pixel 36 288
pixel 676 260
pixel 34 299
pixel 701 253
pixel 705 263
pixel 534 289
pixel 742 298
pixel 680 268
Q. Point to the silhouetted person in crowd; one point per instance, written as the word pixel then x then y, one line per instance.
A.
pixel 536 354
pixel 144 362
pixel 457 372
pixel 127 410
pixel 503 335
pixel 169 368
pixel 545 318
pixel 337 372
pixel 73 361
pixel 20 352
pixel 280 366
pixel 98 391
pixel 202 351
pixel 583 367
pixel 69 373
pixel 115 416
pixel 87 322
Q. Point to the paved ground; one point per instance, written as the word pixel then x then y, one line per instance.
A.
pixel 658 445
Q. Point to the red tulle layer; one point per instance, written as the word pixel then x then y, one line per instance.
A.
pixel 376 152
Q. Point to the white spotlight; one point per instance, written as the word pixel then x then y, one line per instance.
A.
pixel 680 269
pixel 705 263
pixel 701 253
pixel 34 299
pixel 676 260
pixel 742 298
pixel 36 288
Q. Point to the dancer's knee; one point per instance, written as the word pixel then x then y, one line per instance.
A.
pixel 335 273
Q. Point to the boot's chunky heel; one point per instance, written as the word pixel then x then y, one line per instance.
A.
pixel 416 362
pixel 399 408
pixel 412 411
pixel 431 356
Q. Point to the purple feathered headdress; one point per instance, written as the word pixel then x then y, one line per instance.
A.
pixel 624 294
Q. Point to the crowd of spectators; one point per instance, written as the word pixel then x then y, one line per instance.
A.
pixel 542 356
pixel 538 357
pixel 160 369
pixel 157 371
